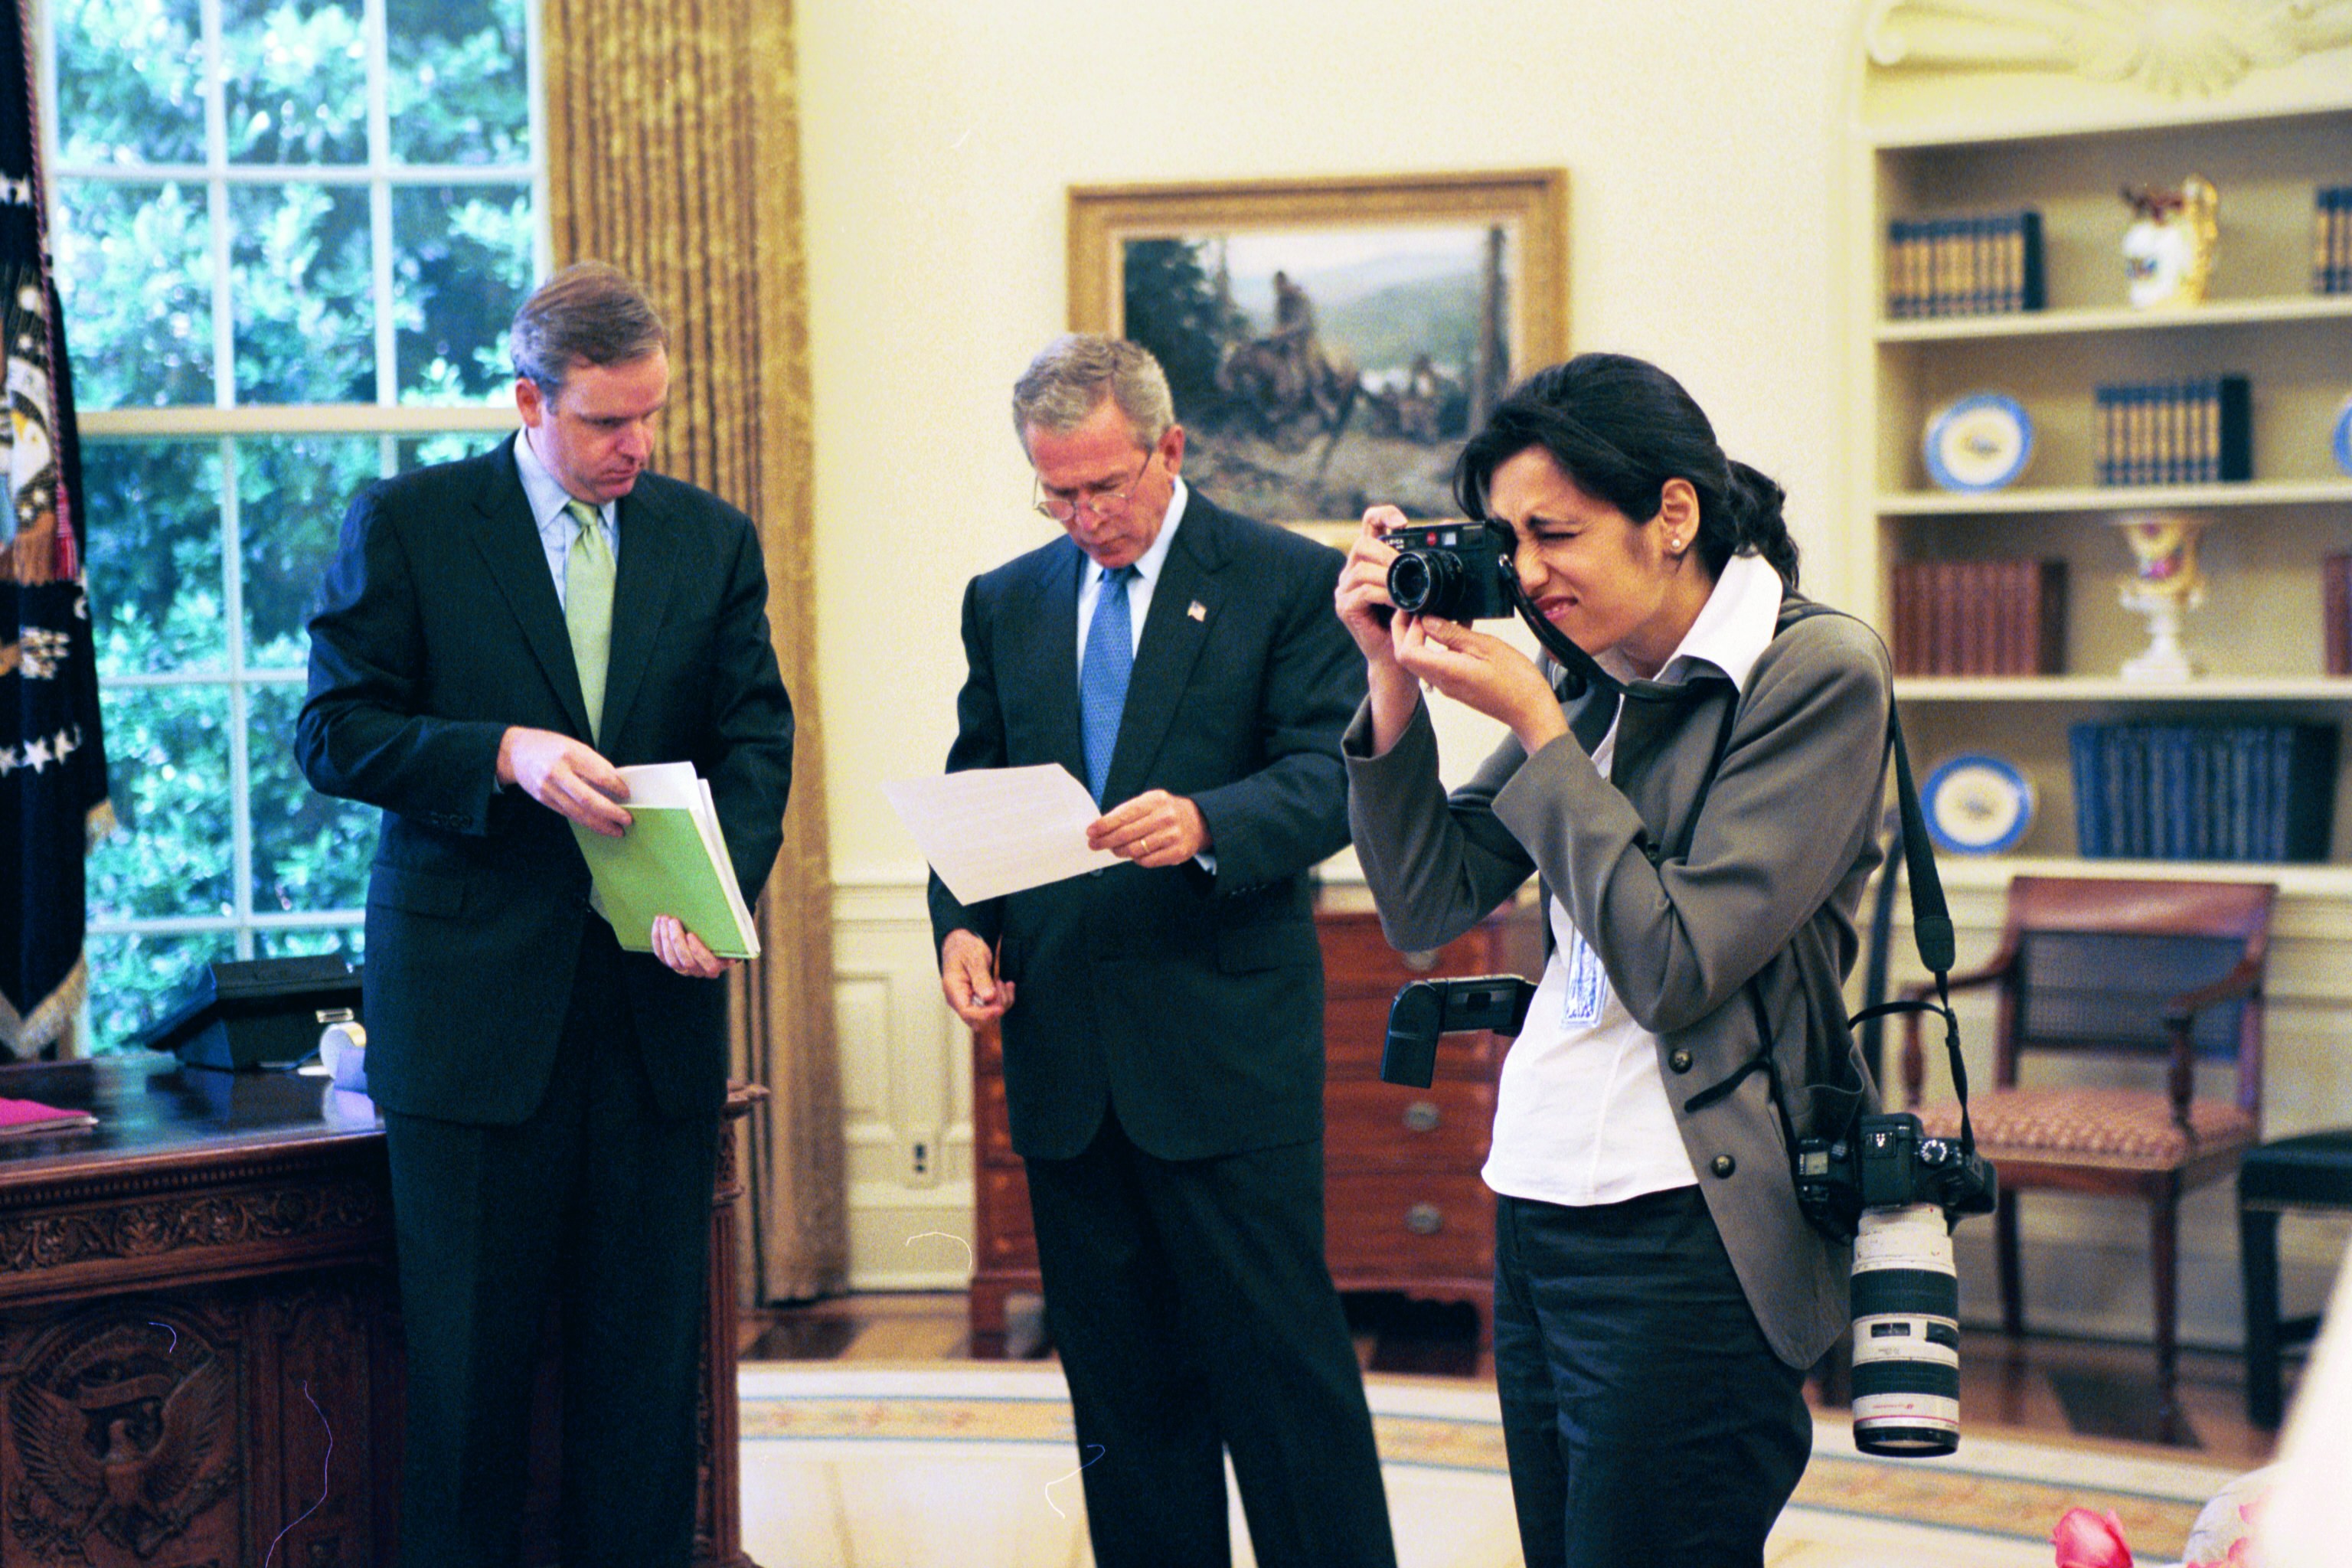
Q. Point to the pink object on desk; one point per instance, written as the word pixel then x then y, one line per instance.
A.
pixel 32 1116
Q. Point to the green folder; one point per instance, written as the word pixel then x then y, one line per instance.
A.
pixel 672 861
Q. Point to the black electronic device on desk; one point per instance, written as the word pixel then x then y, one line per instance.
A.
pixel 263 1013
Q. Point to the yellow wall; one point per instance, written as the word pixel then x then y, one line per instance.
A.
pixel 1702 140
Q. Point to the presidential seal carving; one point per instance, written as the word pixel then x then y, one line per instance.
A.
pixel 125 1433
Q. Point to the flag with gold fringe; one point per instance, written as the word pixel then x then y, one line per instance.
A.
pixel 53 799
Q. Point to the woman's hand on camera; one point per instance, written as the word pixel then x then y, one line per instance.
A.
pixel 1481 672
pixel 1362 600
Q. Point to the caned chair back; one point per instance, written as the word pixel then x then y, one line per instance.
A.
pixel 2093 966
pixel 2170 972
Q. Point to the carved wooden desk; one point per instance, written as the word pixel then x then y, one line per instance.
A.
pixel 200 1332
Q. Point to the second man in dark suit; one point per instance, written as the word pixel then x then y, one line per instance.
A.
pixel 1162 1018
pixel 497 636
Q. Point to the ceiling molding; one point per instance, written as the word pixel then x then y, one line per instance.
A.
pixel 2171 48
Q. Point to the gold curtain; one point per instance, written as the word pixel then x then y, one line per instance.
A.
pixel 673 151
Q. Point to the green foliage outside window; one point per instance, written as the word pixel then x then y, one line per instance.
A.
pixel 291 492
pixel 294 77
pixel 158 598
pixel 167 770
pixel 477 237
pixel 457 82
pixel 129 77
pixel 299 270
pixel 134 266
pixel 373 275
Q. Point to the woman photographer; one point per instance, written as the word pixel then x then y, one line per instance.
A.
pixel 1657 1295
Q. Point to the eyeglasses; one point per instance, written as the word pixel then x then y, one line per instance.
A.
pixel 1106 503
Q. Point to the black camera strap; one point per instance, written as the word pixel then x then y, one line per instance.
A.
pixel 1581 669
pixel 1931 925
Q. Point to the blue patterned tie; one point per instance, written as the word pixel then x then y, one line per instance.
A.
pixel 1102 675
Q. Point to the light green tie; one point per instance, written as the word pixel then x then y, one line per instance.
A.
pixel 588 608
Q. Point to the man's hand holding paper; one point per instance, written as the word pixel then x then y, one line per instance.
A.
pixel 993 831
pixel 1155 828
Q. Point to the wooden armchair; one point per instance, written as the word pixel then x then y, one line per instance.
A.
pixel 2169 974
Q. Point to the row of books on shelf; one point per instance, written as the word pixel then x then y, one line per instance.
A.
pixel 2261 792
pixel 2331 241
pixel 2001 616
pixel 1990 264
pixel 1984 265
pixel 2192 432
pixel 2336 610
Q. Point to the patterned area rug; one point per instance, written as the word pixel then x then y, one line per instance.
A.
pixel 869 1466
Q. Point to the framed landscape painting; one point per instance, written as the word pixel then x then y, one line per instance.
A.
pixel 1329 342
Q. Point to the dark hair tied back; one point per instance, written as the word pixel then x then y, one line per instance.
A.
pixel 1755 504
pixel 1620 427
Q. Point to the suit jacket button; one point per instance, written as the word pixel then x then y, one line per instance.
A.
pixel 1680 1061
pixel 1723 1165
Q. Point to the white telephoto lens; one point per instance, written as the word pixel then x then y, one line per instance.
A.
pixel 1906 1335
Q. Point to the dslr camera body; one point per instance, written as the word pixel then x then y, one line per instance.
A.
pixel 1885 1162
pixel 1424 1009
pixel 1455 571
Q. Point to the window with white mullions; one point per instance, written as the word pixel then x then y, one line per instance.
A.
pixel 289 235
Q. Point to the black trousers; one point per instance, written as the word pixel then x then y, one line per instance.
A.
pixel 599 1204
pixel 1646 1418
pixel 1195 1315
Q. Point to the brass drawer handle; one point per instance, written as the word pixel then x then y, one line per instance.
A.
pixel 1421 1115
pixel 1424 1219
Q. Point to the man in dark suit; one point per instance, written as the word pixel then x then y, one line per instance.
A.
pixel 1163 1019
pixel 494 637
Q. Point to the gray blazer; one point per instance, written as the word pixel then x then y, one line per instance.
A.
pixel 1683 908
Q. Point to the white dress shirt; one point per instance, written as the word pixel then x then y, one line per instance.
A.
pixel 1582 1114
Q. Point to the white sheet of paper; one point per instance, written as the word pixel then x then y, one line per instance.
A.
pixel 991 831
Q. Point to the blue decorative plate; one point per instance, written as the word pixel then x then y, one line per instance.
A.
pixel 1979 442
pixel 1977 804
pixel 2342 443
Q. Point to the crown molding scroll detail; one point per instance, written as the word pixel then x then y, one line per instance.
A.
pixel 2170 48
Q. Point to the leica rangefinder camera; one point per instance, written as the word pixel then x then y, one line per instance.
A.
pixel 1455 571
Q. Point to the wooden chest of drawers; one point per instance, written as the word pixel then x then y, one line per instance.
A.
pixel 1403 1208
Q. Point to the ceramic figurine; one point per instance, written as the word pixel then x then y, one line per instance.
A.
pixel 2169 249
pixel 2164 583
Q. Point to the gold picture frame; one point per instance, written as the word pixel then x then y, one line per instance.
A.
pixel 1329 341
